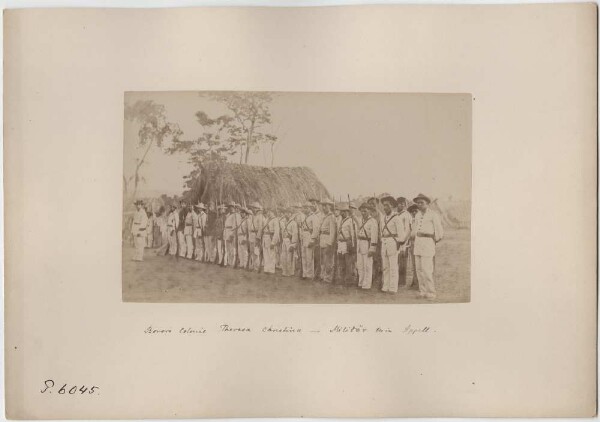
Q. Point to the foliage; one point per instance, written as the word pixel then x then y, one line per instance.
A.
pixel 154 130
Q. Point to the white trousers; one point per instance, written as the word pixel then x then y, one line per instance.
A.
pixel 308 257
pixel 268 255
pixel 364 265
pixel 243 251
pixel 173 243
pixel 221 252
pixel 230 251
pixel 199 251
pixel 424 267
pixel 189 246
pixel 182 244
pixel 209 250
pixel 140 243
pixel 288 258
pixel 253 252
pixel 389 258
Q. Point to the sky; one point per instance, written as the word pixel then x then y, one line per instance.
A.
pixel 357 144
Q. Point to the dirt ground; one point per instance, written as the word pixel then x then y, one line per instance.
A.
pixel 161 279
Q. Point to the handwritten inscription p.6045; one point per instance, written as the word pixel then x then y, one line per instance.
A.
pixel 50 386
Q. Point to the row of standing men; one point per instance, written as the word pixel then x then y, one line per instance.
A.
pixel 316 240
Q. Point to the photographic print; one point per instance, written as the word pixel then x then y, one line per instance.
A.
pixel 287 197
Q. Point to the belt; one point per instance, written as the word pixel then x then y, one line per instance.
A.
pixel 189 225
pixel 324 232
pixel 388 235
pixel 141 230
pixel 229 227
pixel 363 238
pixel 169 225
pixel 425 235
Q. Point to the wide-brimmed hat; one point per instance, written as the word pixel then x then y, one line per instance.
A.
pixel 421 196
pixel 327 202
pixel 365 205
pixel 231 204
pixel 388 198
pixel 200 205
pixel 352 206
pixel 401 199
pixel 412 208
pixel 313 200
pixel 343 207
pixel 255 205
pixel 138 201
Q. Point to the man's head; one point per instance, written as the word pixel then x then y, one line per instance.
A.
pixel 401 201
pixel 364 210
pixel 389 203
pixel 372 201
pixel 139 205
pixel 422 202
pixel 344 210
pixel 326 206
pixel 413 210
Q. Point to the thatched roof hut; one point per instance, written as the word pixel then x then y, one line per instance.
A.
pixel 242 183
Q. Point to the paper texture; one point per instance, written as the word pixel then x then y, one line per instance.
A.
pixel 525 344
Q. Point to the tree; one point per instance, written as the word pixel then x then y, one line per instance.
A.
pixel 249 117
pixel 155 131
pixel 210 146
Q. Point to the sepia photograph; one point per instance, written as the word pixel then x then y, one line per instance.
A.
pixel 291 197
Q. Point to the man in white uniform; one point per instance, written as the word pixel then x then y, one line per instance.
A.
pixel 188 232
pixel 270 235
pixel 138 230
pixel 230 234
pixel 307 228
pixel 327 232
pixel 172 224
pixel 199 231
pixel 255 226
pixel 393 237
pixel 406 220
pixel 427 230
pixel 368 235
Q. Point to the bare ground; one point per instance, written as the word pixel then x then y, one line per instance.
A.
pixel 161 279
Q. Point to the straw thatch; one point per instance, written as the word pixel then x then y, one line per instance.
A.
pixel 271 186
